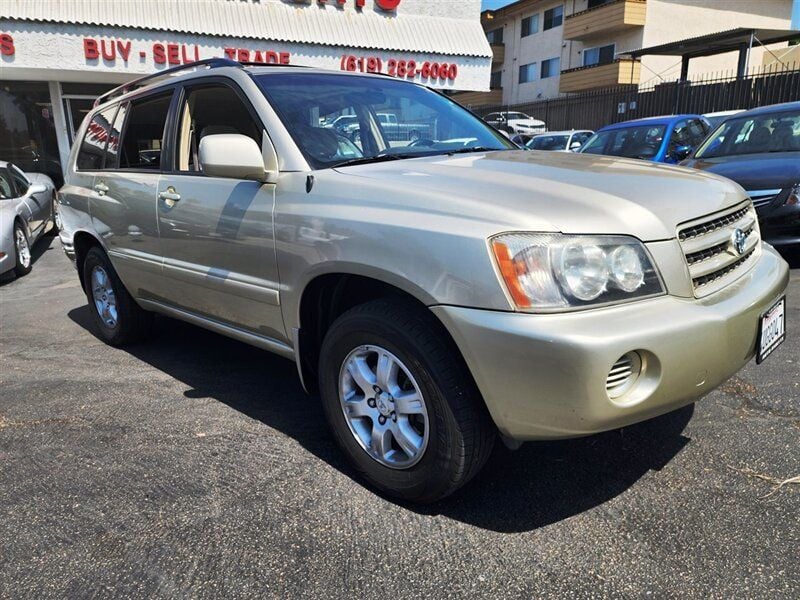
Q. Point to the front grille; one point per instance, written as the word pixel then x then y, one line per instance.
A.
pixel 711 255
pixel 763 197
pixel 713 225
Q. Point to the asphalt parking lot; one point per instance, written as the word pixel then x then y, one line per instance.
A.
pixel 194 466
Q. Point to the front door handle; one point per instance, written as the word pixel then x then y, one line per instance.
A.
pixel 101 188
pixel 169 196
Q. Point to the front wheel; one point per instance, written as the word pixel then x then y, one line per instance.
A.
pixel 119 319
pixel 22 250
pixel 401 403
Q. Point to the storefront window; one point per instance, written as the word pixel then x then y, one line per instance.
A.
pixel 27 132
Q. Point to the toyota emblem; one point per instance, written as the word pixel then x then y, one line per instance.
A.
pixel 738 241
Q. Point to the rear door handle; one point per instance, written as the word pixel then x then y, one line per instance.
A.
pixel 169 194
pixel 101 188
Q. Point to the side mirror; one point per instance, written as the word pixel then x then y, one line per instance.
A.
pixel 36 188
pixel 575 146
pixel 232 155
pixel 681 152
pixel 505 134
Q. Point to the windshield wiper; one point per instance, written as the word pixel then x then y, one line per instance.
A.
pixel 474 149
pixel 366 160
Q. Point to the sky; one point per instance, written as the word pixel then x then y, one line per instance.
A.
pixel 491 4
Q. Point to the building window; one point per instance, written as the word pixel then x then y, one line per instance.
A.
pixel 553 17
pixel 495 36
pixel 596 3
pixel 601 55
pixel 27 129
pixel 527 73
pixel 496 80
pixel 530 25
pixel 551 67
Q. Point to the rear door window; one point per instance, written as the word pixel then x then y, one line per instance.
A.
pixel 143 138
pixel 92 153
pixel 20 181
pixel 6 191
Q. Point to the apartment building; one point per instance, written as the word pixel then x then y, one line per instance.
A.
pixel 544 48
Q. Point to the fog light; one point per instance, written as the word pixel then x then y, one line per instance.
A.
pixel 623 374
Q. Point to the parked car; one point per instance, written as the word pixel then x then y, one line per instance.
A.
pixel 515 122
pixel 434 295
pixel 659 139
pixel 760 150
pixel 394 129
pixel 560 141
pixel 26 214
pixel 715 118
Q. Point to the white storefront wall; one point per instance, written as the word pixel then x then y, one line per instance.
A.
pixel 97 48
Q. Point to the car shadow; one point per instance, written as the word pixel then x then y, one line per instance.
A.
pixel 539 484
pixel 42 245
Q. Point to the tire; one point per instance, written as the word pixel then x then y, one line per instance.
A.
pixel 23 262
pixel 454 434
pixel 119 319
pixel 56 219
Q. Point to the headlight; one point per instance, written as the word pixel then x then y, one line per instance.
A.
pixel 552 272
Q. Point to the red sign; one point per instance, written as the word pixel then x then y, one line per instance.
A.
pixel 7 45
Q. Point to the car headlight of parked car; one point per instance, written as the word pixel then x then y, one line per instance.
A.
pixel 554 272
pixel 793 198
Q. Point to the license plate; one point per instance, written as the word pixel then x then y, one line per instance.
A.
pixel 772 330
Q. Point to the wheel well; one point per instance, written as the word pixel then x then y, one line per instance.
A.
pixel 325 299
pixel 82 242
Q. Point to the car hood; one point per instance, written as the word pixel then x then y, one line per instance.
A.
pixel 528 122
pixel 755 171
pixel 549 191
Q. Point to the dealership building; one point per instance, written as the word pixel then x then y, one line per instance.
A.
pixel 57 57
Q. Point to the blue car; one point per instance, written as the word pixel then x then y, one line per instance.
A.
pixel 659 139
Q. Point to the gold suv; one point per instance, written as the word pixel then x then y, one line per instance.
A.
pixel 436 286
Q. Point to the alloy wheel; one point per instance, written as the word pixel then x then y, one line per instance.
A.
pixel 105 301
pixel 384 407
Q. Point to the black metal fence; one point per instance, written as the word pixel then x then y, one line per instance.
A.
pixel 713 93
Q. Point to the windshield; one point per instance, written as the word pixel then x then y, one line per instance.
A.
pixel 385 119
pixel 549 142
pixel 642 141
pixel 777 132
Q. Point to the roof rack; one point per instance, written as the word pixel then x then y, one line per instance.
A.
pixel 211 63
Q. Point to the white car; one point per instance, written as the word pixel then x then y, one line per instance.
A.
pixel 560 141
pixel 515 122
pixel 26 213
pixel 715 118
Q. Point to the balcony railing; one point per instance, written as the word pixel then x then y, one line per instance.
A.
pixel 498 54
pixel 612 17
pixel 619 72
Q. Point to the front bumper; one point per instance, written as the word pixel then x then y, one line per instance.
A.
pixel 544 376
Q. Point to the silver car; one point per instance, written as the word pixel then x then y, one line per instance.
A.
pixel 26 214
pixel 438 294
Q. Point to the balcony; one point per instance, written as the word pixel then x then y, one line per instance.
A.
pixel 614 17
pixel 474 99
pixel 619 72
pixel 498 54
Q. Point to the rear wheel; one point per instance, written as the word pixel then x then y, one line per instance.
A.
pixel 401 402
pixel 119 319
pixel 22 250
